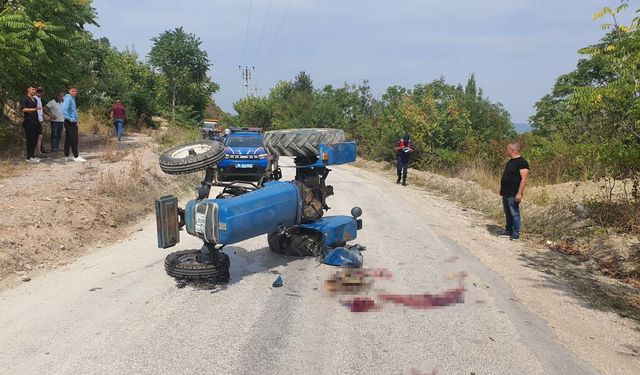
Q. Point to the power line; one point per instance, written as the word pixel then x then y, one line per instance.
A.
pixel 277 34
pixel 264 26
pixel 246 34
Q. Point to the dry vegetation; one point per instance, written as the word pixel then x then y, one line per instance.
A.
pixel 563 217
pixel 54 211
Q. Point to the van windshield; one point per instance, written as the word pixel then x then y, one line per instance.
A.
pixel 243 141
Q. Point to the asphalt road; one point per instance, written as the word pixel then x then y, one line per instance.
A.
pixel 116 311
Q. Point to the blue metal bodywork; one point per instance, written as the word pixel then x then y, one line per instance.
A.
pixel 231 220
pixel 343 257
pixel 275 207
pixel 339 153
pixel 335 230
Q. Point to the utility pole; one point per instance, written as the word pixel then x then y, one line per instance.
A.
pixel 246 73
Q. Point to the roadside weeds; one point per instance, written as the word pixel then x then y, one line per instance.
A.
pixel 56 210
pixel 602 266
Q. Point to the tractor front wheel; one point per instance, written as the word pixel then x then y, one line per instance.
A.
pixel 192 157
pixel 193 265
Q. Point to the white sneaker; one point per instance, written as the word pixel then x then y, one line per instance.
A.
pixel 68 158
pixel 79 159
pixel 33 160
pixel 38 160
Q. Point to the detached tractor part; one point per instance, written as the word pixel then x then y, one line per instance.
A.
pixel 290 213
pixel 191 157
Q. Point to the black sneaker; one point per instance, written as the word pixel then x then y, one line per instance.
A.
pixel 504 233
pixel 404 183
pixel 398 180
pixel 514 238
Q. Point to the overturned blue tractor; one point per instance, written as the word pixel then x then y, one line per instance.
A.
pixel 291 214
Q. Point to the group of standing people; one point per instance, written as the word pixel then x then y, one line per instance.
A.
pixel 63 114
pixel 512 183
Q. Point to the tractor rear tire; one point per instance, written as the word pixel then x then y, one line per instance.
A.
pixel 296 242
pixel 300 142
pixel 192 157
pixel 188 265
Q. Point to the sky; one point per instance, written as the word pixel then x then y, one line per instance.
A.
pixel 515 48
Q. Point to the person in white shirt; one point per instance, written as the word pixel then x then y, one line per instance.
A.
pixel 57 121
pixel 38 97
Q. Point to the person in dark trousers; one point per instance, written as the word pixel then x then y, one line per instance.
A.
pixel 38 98
pixel 119 116
pixel 70 113
pixel 29 108
pixel 514 179
pixel 57 121
pixel 403 149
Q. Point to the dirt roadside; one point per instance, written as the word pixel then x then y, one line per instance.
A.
pixel 53 211
pixel 582 308
pixel 604 268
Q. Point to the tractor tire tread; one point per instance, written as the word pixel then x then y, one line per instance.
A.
pixel 300 142
pixel 218 272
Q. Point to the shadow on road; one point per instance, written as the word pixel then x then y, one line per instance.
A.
pixel 494 230
pixel 244 263
pixel 574 278
pixel 248 262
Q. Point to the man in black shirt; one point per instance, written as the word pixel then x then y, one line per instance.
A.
pixel 514 179
pixel 30 124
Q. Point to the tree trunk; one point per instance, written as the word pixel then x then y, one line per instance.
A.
pixel 173 105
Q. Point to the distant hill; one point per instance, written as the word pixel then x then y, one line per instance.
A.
pixel 522 127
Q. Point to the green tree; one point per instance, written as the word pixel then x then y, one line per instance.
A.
pixel 253 111
pixel 37 41
pixel 184 65
pixel 303 83
pixel 439 116
pixel 595 109
pixel 105 74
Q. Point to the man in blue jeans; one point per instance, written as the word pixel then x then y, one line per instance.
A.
pixel 119 116
pixel 514 179
pixel 57 120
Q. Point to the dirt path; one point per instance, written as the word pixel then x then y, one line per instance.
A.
pixel 54 210
pixel 116 311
